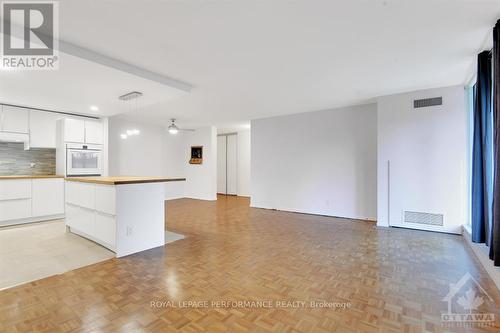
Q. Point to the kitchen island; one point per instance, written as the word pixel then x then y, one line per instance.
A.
pixel 123 214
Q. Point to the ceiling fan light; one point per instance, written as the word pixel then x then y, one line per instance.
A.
pixel 172 128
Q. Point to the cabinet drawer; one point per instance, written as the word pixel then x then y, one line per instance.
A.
pixel 47 197
pixel 15 209
pixel 80 194
pixel 81 219
pixel 15 189
pixel 105 228
pixel 105 199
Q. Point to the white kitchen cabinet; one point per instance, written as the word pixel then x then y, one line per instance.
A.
pixel 74 130
pixel 93 132
pixel 13 189
pixel 105 228
pixel 83 131
pixel 91 209
pixel 81 194
pixel 105 199
pixel 31 199
pixel 43 127
pixel 82 219
pixel 15 209
pixel 14 119
pixel 47 196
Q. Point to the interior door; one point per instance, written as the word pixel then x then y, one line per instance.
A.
pixel 221 164
pixel 231 164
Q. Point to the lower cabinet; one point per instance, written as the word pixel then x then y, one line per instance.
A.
pixel 29 200
pixel 105 228
pixel 48 196
pixel 90 210
pixel 15 209
pixel 82 219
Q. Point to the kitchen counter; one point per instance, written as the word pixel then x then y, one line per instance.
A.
pixel 123 214
pixel 29 177
pixel 123 180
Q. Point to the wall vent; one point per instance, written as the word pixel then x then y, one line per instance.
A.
pixel 423 218
pixel 426 102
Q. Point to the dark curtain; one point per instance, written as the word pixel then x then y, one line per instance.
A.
pixel 482 152
pixel 495 234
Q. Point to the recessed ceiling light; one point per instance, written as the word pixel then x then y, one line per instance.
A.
pixel 123 136
pixel 94 108
pixel 133 132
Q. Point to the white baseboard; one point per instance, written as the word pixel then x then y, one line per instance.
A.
pixel 482 253
pixel 298 211
pixel 31 220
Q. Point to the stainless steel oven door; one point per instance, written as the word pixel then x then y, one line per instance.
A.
pixel 83 162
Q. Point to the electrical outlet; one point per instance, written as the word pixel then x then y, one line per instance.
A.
pixel 32 164
pixel 129 231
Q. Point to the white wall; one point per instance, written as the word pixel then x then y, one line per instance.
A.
pixel 243 186
pixel 318 162
pixel 202 178
pixel 427 152
pixel 155 152
pixel 139 155
pixel 176 161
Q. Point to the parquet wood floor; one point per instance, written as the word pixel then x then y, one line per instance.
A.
pixel 394 279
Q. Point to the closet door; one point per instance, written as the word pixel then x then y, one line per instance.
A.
pixel 232 164
pixel 221 164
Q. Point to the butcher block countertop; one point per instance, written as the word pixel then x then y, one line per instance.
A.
pixel 123 180
pixel 29 177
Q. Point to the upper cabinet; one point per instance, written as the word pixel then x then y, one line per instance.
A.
pixel 93 132
pixel 83 131
pixel 43 129
pixel 74 130
pixel 14 119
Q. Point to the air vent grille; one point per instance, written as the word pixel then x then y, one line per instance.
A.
pixel 423 218
pixel 426 102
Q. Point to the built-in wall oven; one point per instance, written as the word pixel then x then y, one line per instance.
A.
pixel 83 160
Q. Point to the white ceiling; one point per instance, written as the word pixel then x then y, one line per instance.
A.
pixel 78 85
pixel 253 59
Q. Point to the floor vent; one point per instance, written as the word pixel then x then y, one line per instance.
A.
pixel 426 102
pixel 423 218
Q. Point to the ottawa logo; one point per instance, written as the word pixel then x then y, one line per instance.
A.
pixel 465 299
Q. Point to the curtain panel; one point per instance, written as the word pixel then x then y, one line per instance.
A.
pixel 495 234
pixel 482 152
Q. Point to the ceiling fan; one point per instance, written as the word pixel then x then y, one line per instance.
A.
pixel 174 129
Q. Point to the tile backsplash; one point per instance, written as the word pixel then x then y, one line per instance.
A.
pixel 14 160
